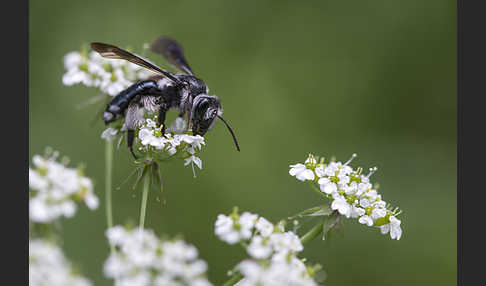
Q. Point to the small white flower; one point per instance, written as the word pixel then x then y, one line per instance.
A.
pixel 54 190
pixel 327 186
pixel 366 219
pixel 286 242
pixel 393 227
pixel 143 259
pixel 224 229
pixel 378 213
pixel 264 227
pixel 356 212
pixel 37 181
pixel 109 134
pixel 178 126
pixel 193 159
pixel 49 266
pixel 342 206
pixel 301 172
pixel 247 221
pixel 319 170
pixel 259 247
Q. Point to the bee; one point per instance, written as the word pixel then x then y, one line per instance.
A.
pixel 163 91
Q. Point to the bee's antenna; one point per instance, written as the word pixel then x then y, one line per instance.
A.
pixel 231 131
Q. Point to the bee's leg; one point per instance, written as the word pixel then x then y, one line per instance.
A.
pixel 161 118
pixel 133 119
pixel 181 114
pixel 130 137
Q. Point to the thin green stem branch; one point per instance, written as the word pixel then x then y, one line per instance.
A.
pixel 143 208
pixel 232 281
pixel 108 184
pixel 315 189
pixel 315 231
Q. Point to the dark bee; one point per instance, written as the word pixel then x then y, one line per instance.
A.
pixel 163 91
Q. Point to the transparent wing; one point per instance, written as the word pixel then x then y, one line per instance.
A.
pixel 172 52
pixel 113 52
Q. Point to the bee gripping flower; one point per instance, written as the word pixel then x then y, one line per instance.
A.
pixel 155 144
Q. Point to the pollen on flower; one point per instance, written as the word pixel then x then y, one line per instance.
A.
pixel 351 193
pixel 55 189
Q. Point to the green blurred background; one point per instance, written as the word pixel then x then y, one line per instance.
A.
pixel 329 77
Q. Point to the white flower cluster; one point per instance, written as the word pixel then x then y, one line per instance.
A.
pixel 350 192
pixel 272 249
pixel 55 188
pixel 142 259
pixel 187 145
pixel 48 266
pixel 111 76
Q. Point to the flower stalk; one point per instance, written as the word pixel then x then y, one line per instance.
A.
pixel 234 279
pixel 143 207
pixel 108 184
pixel 314 232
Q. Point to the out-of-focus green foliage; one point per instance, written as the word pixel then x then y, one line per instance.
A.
pixel 329 77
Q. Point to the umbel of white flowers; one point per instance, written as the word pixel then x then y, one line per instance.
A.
pixel 272 250
pixel 48 266
pixel 141 258
pixel 350 192
pixel 173 144
pixel 111 76
pixel 55 189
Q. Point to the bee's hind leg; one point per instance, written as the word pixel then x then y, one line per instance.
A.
pixel 130 137
pixel 133 119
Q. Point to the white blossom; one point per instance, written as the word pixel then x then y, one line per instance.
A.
pixel 111 76
pixel 351 193
pixel 260 247
pixel 393 227
pixel 280 272
pixel 141 258
pixel 233 229
pixel 109 134
pixel 301 172
pixel 273 250
pixel 55 189
pixel 49 266
pixel 152 140
pixel 264 227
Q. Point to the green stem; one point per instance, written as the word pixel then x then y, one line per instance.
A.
pixel 143 208
pixel 108 184
pixel 233 280
pixel 315 189
pixel 315 231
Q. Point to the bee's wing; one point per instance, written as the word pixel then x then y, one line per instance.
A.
pixel 113 52
pixel 172 52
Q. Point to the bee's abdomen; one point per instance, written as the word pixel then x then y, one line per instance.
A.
pixel 119 103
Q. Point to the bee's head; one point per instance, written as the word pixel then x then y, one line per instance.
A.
pixel 205 110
